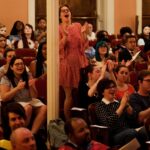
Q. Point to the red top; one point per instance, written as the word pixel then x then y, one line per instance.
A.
pixel 119 93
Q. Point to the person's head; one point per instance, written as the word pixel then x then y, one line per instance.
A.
pixel 2 41
pixel 17 66
pixel 130 42
pixel 90 28
pixel 106 88
pixel 28 30
pixel 116 50
pixel 9 54
pixel 3 29
pixel 41 23
pixel 146 30
pixel 22 139
pixel 125 31
pixel 101 50
pixel 13 116
pixel 78 131
pixel 64 13
pixel 91 72
pixel 122 73
pixel 102 34
pixel 17 28
pixel 144 81
pixel 17 69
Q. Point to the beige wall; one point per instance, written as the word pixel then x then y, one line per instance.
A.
pixel 125 12
pixel 12 10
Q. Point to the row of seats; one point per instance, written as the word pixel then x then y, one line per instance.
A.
pixel 28 55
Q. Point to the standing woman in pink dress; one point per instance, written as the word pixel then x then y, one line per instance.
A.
pixel 72 43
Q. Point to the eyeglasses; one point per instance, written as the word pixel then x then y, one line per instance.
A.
pixel 147 80
pixel 19 64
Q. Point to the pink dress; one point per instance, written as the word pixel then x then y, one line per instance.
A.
pixel 72 56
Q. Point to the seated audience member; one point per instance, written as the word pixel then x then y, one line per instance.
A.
pixel 79 136
pixel 115 115
pixel 90 76
pixel 125 31
pixel 16 32
pixel 90 34
pixel 18 85
pixel 140 101
pixel 129 50
pixel 38 67
pixel 28 40
pixel 144 36
pixel 101 35
pixel 13 117
pixel 8 54
pixel 2 45
pixel 122 78
pixel 3 30
pixel 40 32
pixel 102 52
pixel 22 139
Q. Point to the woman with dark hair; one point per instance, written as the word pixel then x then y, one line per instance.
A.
pixel 17 85
pixel 116 115
pixel 102 52
pixel 90 76
pixel 101 35
pixel 122 78
pixel 16 31
pixel 28 40
pixel 38 67
pixel 144 36
pixel 72 43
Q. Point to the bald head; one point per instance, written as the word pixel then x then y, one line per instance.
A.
pixel 23 139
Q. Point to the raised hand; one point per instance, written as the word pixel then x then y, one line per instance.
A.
pixel 84 28
pixel 124 100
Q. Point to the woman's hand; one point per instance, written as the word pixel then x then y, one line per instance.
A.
pixel 124 100
pixel 110 65
pixel 31 82
pixel 21 85
pixel 84 28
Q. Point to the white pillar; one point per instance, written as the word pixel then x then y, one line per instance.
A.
pixel 100 14
pixel 52 59
pixel 109 15
pixel 139 14
pixel 31 13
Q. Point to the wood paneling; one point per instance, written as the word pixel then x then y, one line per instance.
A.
pixel 145 12
pixel 40 9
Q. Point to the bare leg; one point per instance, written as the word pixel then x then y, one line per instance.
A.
pixel 68 102
pixel 41 115
pixel 28 110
